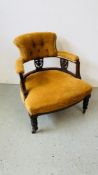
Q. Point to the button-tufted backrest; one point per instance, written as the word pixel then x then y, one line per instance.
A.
pixel 36 45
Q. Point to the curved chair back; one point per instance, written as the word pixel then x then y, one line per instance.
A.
pixel 36 45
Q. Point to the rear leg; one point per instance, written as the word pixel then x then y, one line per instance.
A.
pixel 85 103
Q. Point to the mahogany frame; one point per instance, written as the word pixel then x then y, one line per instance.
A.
pixel 63 67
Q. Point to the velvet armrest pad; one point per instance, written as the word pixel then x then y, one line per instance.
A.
pixel 19 66
pixel 68 56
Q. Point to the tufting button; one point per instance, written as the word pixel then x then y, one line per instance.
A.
pixel 38 50
pixel 42 43
pixel 33 44
pixel 46 50
pixel 30 53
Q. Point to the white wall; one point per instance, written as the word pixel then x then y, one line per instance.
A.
pixel 74 21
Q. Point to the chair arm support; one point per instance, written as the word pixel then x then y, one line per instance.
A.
pixel 22 84
pixel 20 71
pixel 19 66
pixel 78 75
pixel 68 56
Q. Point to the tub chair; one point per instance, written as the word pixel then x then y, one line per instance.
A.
pixel 48 89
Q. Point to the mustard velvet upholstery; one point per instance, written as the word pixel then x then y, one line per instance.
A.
pixel 36 45
pixel 68 56
pixel 52 89
pixel 19 66
pixel 48 90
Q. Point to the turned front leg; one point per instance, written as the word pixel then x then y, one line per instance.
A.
pixel 34 123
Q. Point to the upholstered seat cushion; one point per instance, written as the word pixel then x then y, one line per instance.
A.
pixel 50 90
